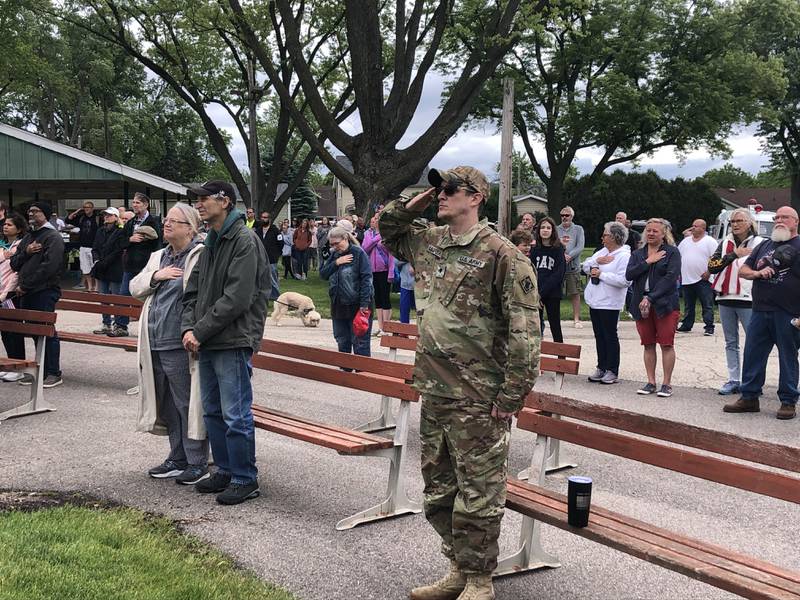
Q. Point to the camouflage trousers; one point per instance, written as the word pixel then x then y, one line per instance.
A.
pixel 464 464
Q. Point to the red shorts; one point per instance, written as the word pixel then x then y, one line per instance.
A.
pixel 658 330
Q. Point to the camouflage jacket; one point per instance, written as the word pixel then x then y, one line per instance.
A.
pixel 477 310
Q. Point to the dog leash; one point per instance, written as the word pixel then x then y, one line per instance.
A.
pixel 293 307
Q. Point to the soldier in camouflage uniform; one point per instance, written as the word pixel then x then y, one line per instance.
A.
pixel 477 358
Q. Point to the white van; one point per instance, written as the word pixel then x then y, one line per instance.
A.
pixel 764 221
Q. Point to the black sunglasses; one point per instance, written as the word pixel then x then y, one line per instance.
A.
pixel 451 187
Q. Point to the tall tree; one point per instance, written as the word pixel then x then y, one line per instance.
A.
pixel 773 31
pixel 628 77
pixel 194 49
pixel 391 50
pixel 728 176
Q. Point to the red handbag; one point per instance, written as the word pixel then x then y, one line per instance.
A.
pixel 361 322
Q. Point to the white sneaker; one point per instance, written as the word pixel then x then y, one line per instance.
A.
pixel 578 325
pixel 13 376
pixel 3 374
pixel 378 333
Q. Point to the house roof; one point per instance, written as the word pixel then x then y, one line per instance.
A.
pixel 28 157
pixel 521 197
pixel 770 198
pixel 421 182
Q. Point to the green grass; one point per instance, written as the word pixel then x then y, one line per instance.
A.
pixel 75 553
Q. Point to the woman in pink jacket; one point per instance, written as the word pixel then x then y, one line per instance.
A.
pixel 382 264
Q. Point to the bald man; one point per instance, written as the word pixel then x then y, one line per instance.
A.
pixel 695 251
pixel 774 268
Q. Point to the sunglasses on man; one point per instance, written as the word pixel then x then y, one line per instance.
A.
pixel 451 188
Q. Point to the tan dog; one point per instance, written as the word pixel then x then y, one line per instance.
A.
pixel 292 303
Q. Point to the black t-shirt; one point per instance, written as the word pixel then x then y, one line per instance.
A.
pixel 782 290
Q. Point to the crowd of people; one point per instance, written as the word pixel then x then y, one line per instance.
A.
pixel 206 272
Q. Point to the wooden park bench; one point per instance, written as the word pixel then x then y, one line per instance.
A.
pixel 37 324
pixel 372 375
pixel 99 304
pixel 558 358
pixel 712 564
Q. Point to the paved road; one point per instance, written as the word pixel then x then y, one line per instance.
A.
pixel 288 536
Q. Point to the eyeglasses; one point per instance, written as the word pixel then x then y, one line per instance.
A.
pixel 169 221
pixel 734 221
pixel 32 211
pixel 565 215
pixel 451 188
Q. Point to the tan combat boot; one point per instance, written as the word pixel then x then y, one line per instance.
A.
pixel 479 587
pixel 447 588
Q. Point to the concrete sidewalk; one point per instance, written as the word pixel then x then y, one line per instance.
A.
pixel 287 535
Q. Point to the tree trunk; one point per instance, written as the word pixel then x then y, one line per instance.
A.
pixel 555 198
pixel 794 174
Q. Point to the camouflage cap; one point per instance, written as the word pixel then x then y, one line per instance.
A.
pixel 469 176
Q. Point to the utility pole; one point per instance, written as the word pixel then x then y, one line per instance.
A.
pixel 506 147
pixel 253 96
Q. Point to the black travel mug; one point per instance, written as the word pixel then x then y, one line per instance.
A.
pixel 579 497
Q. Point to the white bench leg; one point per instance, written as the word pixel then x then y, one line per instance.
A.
pixel 36 404
pixel 553 463
pixel 397 501
pixel 530 555
pixel 384 420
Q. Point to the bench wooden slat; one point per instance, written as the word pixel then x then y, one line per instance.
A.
pixel 342 440
pixel 27 328
pixel 558 365
pixel 15 364
pixel 394 388
pixel 560 349
pixel 706 562
pixel 757 451
pixel 38 317
pixel 341 433
pixel 632 526
pixel 399 342
pixel 338 359
pixel 401 329
pixel 99 309
pixel 101 298
pixel 680 460
pixel 126 343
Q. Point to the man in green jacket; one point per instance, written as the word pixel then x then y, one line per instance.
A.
pixel 224 309
pixel 477 358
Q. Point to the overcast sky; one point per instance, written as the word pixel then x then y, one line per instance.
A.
pixel 480 146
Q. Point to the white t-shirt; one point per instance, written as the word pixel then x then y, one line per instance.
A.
pixel 694 257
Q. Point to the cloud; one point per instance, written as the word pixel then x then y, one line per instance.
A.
pixel 479 145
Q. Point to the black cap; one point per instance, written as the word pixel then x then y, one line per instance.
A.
pixel 42 206
pixel 213 188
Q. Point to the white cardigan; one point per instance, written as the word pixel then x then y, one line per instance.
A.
pixel 609 294
pixel 148 419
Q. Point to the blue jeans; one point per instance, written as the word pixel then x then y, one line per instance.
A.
pixel 691 293
pixel 227 399
pixel 406 304
pixel 346 339
pixel 110 287
pixel 768 329
pixel 731 316
pixel 276 290
pixel 45 300
pixel 124 290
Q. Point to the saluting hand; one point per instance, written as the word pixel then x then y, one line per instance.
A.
pixel 421 201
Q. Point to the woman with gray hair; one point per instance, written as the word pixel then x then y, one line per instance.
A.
pixel 168 378
pixel 605 296
pixel 734 295
pixel 349 278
